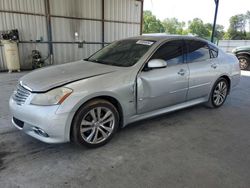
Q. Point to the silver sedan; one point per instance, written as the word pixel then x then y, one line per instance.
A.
pixel 129 80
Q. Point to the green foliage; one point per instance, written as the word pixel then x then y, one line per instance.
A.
pixel 237 28
pixel 219 31
pixel 173 26
pixel 247 16
pixel 197 27
pixel 151 24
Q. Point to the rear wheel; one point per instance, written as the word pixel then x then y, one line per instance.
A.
pixel 219 93
pixel 244 62
pixel 95 123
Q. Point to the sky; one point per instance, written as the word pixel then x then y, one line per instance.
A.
pixel 185 10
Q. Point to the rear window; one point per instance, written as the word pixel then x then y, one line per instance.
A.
pixel 213 51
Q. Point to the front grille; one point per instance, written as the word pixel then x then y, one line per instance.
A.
pixel 18 122
pixel 20 95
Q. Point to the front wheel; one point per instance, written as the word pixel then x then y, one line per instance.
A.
pixel 95 123
pixel 219 93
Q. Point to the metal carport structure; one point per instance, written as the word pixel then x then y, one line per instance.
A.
pixel 49 25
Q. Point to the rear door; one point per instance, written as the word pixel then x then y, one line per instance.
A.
pixel 203 67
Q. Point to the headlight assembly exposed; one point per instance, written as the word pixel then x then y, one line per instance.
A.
pixel 52 97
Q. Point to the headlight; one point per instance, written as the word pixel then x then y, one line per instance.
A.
pixel 52 97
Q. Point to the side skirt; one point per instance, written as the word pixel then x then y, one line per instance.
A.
pixel 139 117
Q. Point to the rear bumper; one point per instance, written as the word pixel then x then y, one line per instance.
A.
pixel 34 119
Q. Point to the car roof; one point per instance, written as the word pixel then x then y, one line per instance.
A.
pixel 162 37
pixel 165 37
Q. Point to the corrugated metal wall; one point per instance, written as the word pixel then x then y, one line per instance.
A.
pixel 76 8
pixel 115 31
pixel 123 11
pixel 30 27
pixel 31 6
pixel 63 29
pixel 229 45
pixel 121 19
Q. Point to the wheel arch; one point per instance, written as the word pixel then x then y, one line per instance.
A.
pixel 243 53
pixel 227 78
pixel 108 98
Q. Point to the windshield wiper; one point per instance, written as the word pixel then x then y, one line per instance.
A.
pixel 103 62
pixel 98 61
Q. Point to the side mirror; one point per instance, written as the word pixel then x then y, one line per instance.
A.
pixel 157 64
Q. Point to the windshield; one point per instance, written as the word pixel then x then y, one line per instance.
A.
pixel 123 53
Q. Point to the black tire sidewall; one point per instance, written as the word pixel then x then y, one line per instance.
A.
pixel 246 58
pixel 212 93
pixel 76 135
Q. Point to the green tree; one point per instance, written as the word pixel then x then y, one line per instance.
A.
pixel 219 31
pixel 173 26
pixel 248 19
pixel 209 26
pixel 238 22
pixel 237 26
pixel 197 27
pixel 151 24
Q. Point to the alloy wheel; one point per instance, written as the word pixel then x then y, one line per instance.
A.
pixel 220 93
pixel 97 125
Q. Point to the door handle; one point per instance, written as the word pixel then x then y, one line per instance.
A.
pixel 214 65
pixel 181 72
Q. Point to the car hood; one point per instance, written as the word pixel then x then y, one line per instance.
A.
pixel 50 77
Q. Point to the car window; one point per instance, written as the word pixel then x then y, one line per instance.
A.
pixel 197 51
pixel 171 52
pixel 122 53
pixel 213 51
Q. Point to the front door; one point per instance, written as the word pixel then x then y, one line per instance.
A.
pixel 160 88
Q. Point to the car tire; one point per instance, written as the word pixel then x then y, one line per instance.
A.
pixel 218 94
pixel 244 62
pixel 95 123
